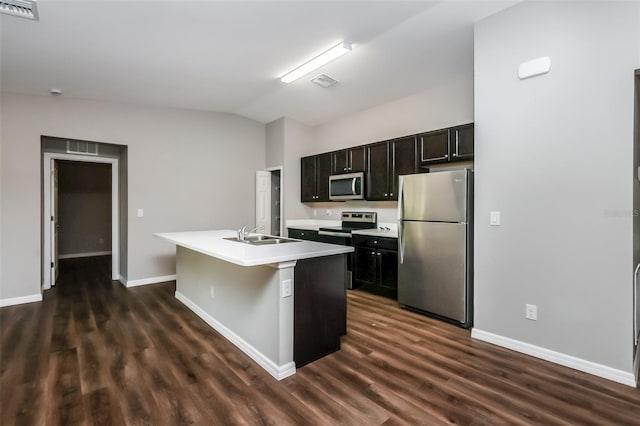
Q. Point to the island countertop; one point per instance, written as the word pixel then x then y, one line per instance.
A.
pixel 213 243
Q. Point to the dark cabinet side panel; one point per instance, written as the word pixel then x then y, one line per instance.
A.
pixel 320 307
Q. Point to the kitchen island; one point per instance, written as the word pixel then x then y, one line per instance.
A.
pixel 281 303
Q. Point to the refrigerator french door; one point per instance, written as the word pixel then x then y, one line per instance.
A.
pixel 434 239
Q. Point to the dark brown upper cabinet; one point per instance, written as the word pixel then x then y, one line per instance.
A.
pixel 385 162
pixel 314 178
pixel 441 146
pixel 462 142
pixel 348 160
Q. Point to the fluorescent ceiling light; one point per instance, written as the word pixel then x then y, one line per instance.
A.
pixel 320 60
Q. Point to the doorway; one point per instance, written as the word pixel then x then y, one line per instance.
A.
pixel 51 213
pixel 269 201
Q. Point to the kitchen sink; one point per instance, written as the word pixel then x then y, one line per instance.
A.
pixel 262 240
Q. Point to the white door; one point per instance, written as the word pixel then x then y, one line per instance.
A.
pixel 263 201
pixel 54 221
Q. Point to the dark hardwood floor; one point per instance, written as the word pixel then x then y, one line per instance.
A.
pixel 94 352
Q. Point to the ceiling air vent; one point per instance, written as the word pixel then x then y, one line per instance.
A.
pixel 324 80
pixel 81 147
pixel 21 8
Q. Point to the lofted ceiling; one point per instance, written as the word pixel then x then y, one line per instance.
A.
pixel 227 56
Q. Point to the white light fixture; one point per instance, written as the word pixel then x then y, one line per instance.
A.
pixel 55 91
pixel 320 60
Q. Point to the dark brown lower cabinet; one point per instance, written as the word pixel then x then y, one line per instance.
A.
pixel 319 308
pixel 375 266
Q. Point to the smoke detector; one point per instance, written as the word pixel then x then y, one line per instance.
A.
pixel 324 81
pixel 55 91
pixel 21 8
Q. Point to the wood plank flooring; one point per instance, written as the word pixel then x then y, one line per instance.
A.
pixel 94 352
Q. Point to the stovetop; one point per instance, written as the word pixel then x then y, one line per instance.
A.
pixel 352 221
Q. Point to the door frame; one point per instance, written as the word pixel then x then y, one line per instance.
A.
pixel 281 170
pixel 46 209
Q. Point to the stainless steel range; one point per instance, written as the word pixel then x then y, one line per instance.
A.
pixel 351 221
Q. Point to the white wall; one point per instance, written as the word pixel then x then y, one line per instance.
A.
pixel 188 170
pixel 554 155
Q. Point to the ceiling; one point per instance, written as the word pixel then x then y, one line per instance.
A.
pixel 227 56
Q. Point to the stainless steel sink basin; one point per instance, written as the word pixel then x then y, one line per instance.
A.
pixel 262 240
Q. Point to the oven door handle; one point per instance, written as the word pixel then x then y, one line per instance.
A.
pixel 334 234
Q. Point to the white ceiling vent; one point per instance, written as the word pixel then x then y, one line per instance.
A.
pixel 324 80
pixel 81 147
pixel 21 8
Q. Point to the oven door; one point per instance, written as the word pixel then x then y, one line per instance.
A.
pixel 346 187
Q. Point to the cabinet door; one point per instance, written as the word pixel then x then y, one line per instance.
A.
pixel 308 179
pixel 356 158
pixel 433 147
pixel 322 176
pixel 365 267
pixel 388 272
pixel 462 142
pixel 377 186
pixel 403 162
pixel 339 162
pixel 303 234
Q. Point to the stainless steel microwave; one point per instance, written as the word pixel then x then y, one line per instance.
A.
pixel 346 187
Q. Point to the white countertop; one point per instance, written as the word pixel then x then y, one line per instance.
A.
pixel 212 243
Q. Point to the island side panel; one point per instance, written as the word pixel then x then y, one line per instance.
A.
pixel 243 299
pixel 320 311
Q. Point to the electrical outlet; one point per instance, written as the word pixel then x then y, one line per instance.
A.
pixel 140 213
pixel 212 291
pixel 286 288
pixel 531 312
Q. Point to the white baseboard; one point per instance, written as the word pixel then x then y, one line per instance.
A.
pixel 278 371
pixel 20 300
pixel 599 370
pixel 89 254
pixel 145 281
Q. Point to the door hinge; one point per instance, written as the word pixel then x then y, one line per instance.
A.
pixel 52 264
pixel 51 218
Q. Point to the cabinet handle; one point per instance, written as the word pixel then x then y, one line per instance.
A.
pixel 455 154
pixel 345 169
pixel 391 195
pixel 373 253
pixel 302 233
pixel 375 242
pixel 385 195
pixel 379 254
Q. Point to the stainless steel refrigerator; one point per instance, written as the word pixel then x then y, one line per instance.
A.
pixel 435 244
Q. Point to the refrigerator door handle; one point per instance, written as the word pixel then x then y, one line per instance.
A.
pixel 400 217
pixel 400 242
pixel 400 196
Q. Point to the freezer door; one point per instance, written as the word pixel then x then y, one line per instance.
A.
pixel 432 268
pixel 438 196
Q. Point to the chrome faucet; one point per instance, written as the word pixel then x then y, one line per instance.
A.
pixel 242 232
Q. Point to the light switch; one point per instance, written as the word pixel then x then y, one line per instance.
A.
pixel 140 212
pixel 494 219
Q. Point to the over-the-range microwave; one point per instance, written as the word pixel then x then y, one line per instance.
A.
pixel 349 186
